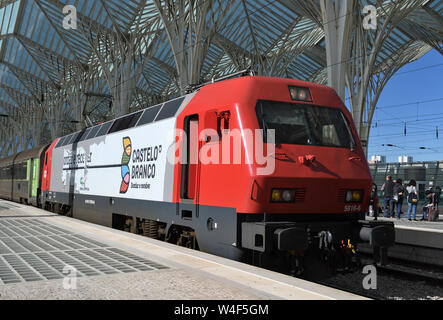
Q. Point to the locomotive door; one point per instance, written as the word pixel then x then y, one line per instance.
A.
pixel 189 189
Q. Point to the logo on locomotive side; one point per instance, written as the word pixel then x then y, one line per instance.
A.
pixel 126 174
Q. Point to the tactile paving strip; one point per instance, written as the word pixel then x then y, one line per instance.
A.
pixel 33 250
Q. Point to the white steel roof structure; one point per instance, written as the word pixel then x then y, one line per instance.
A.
pixel 127 55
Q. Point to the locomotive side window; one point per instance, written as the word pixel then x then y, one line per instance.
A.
pixel 104 129
pixel 190 151
pixel 223 122
pixel 73 138
pixel 86 133
pixel 125 122
pixel 20 171
pixel 66 140
pixel 79 137
pixel 149 115
pixel 212 126
pixel 5 173
pixel 94 131
pixel 304 124
pixel 61 141
pixel 169 109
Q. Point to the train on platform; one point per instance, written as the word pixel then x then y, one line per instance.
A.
pixel 263 170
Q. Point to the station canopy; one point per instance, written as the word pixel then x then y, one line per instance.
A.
pixel 121 56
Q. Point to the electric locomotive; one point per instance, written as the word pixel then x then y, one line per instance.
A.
pixel 249 168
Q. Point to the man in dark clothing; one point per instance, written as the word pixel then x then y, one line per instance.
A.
pixel 388 188
pixel 398 196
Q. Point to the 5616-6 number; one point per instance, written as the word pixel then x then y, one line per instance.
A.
pixel 352 208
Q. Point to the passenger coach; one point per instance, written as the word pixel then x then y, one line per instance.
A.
pixel 20 176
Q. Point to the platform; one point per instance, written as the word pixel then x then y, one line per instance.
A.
pixel 36 246
pixel 418 233
pixel 418 241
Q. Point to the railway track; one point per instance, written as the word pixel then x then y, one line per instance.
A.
pixel 400 280
pixel 367 294
pixel 425 275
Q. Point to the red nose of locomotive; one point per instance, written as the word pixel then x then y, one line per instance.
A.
pixel 320 167
pixel 310 180
pixel 313 161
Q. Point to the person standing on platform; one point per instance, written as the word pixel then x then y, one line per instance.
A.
pixel 399 190
pixel 412 199
pixel 388 189
pixel 437 194
pixel 430 198
pixel 394 199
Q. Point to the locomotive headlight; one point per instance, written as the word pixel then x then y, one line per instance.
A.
pixel 300 94
pixel 276 195
pixel 348 196
pixel 282 195
pixel 287 197
pixel 354 196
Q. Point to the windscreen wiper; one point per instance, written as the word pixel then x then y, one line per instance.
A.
pixel 264 124
pixel 351 138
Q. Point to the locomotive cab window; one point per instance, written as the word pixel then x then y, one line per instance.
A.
pixel 301 124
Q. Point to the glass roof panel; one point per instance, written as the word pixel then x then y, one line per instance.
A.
pixel 279 37
pixel 8 17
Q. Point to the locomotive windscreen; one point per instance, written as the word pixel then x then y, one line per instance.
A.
pixel 305 124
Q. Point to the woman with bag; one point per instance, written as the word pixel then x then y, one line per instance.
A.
pixel 412 199
pixel 429 206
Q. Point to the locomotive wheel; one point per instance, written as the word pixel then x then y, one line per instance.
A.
pixel 182 236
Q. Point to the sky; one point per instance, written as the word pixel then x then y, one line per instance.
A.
pixel 406 98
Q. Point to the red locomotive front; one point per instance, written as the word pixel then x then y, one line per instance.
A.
pixel 285 156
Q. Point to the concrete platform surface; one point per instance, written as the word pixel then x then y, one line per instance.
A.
pixel 39 251
pixel 431 225
pixel 418 233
